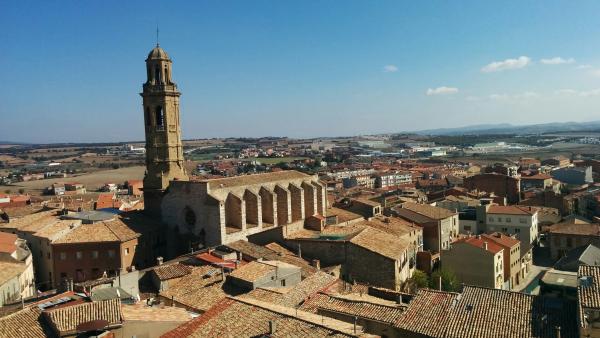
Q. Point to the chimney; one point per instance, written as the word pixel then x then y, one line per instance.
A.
pixel 485 247
pixel 316 264
pixel 272 327
pixel 223 273
pixel 557 331
pixel 440 283
pixel 159 260
pixel 299 251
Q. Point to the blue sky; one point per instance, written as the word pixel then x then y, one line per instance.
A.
pixel 73 69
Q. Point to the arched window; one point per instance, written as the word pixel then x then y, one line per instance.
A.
pixel 160 117
pixel 157 75
pixel 148 119
pixel 167 75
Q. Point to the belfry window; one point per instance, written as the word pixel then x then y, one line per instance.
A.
pixel 157 75
pixel 148 120
pixel 160 117
pixel 167 77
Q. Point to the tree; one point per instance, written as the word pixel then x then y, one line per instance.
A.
pixel 449 280
pixel 420 279
pixel 21 191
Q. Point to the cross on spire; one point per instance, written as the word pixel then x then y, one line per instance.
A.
pixel 157 35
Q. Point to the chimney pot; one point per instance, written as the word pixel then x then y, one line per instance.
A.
pixel 272 327
pixel 159 260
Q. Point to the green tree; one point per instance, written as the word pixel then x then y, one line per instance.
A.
pixel 420 279
pixel 21 191
pixel 449 280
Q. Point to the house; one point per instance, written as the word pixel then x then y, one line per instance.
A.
pixel 514 273
pixel 564 237
pixel 476 261
pixel 16 269
pixel 538 181
pixel 573 175
pixel 134 187
pixel 440 226
pixel 501 185
pixel 265 274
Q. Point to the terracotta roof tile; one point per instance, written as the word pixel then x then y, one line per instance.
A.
pixel 166 272
pixel 25 323
pixel 65 320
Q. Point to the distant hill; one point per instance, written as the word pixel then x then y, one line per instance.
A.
pixel 507 128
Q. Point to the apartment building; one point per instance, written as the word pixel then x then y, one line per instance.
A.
pixel 476 261
pixel 440 226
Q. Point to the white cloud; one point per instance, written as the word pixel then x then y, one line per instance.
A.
pixel 583 93
pixel 565 91
pixel 593 92
pixel 557 61
pixel 497 66
pixel 473 98
pixel 499 97
pixel 595 72
pixel 390 69
pixel 584 66
pixel 526 95
pixel 441 91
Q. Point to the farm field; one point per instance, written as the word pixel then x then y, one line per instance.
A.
pixel 91 180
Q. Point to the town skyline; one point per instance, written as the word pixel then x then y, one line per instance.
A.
pixel 261 65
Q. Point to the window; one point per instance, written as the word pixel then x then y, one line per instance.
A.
pixel 160 117
pixel 569 242
pixel 94 254
pixel 283 282
pixel 157 75
pixel 148 118
pixel 63 256
pixel 79 254
pixel 126 251
pixel 517 230
pixel 48 255
pixel 508 219
pixel 467 228
pixel 505 230
pixel 522 220
pixel 491 219
pixel 111 253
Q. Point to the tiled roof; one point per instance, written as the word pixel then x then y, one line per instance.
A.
pixel 575 229
pixel 427 313
pixel 361 309
pixel 285 255
pixel 32 222
pixel 392 225
pixel 165 272
pixel 24 324
pixel 429 211
pixel 501 239
pixel 293 296
pixel 235 318
pixel 104 231
pixel 479 242
pixel 511 210
pixel 483 312
pixel 380 242
pixel 66 319
pixel 236 181
pixel 589 291
pixel 142 312
pixel 200 290
pixel 251 250
pixel 253 271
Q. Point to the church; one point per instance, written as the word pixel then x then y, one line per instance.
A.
pixel 213 211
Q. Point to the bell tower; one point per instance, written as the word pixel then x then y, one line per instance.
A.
pixel 164 150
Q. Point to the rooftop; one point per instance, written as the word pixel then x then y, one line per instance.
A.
pixel 65 320
pixel 247 318
pixel 253 271
pixel 243 180
pixel 512 210
pixel 381 243
pixel 575 229
pixel 427 313
pixel 7 242
pixel 428 211
pixel 105 231
pixel 166 272
pixel 501 239
pixel 25 323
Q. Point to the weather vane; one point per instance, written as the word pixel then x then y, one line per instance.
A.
pixel 156 34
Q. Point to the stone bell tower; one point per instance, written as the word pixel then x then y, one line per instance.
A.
pixel 164 150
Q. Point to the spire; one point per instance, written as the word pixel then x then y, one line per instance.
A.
pixel 157 36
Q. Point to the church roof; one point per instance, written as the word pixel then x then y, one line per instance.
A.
pixel 158 53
